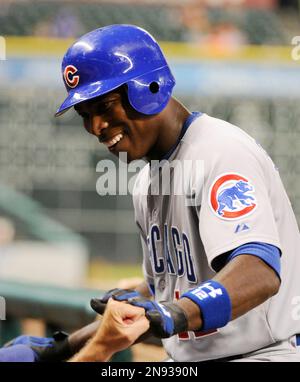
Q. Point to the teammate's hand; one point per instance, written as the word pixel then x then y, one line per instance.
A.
pixel 166 319
pixel 99 304
pixel 121 325
pixel 36 344
pixel 45 349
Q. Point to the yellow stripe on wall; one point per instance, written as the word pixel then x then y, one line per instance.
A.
pixel 36 46
pixel 243 53
pixel 39 46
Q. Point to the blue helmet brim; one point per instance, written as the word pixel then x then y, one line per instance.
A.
pixel 87 92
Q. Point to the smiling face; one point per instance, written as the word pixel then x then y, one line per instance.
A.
pixel 118 126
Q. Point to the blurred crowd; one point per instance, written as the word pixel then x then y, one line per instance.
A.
pixel 193 18
pixel 214 22
pixel 199 28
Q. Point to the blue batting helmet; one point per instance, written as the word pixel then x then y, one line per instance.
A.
pixel 115 55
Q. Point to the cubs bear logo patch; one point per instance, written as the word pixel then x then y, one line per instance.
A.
pixel 232 196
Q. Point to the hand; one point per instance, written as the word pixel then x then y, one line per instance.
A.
pixel 37 344
pixel 121 325
pixel 166 319
pixel 45 349
pixel 99 304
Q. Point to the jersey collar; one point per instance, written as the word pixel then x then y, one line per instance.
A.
pixel 187 123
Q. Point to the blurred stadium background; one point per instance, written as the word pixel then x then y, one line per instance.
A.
pixel 232 59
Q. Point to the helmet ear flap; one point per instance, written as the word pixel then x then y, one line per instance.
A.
pixel 150 93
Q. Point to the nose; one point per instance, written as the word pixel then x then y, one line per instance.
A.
pixel 97 124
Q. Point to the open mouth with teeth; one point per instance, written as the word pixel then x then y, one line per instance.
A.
pixel 113 142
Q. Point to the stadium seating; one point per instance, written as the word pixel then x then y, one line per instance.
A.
pixel 260 26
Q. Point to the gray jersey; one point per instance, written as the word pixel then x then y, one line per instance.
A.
pixel 241 199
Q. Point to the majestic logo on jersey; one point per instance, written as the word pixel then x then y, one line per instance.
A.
pixel 70 79
pixel 241 228
pixel 230 196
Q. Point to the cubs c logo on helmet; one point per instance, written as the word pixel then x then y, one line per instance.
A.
pixel 69 77
pixel 232 196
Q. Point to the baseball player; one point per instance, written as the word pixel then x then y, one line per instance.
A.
pixel 220 259
pixel 121 326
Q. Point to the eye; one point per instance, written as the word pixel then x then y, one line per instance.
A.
pixel 82 114
pixel 105 106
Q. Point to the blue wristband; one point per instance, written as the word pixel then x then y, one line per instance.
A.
pixel 214 303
